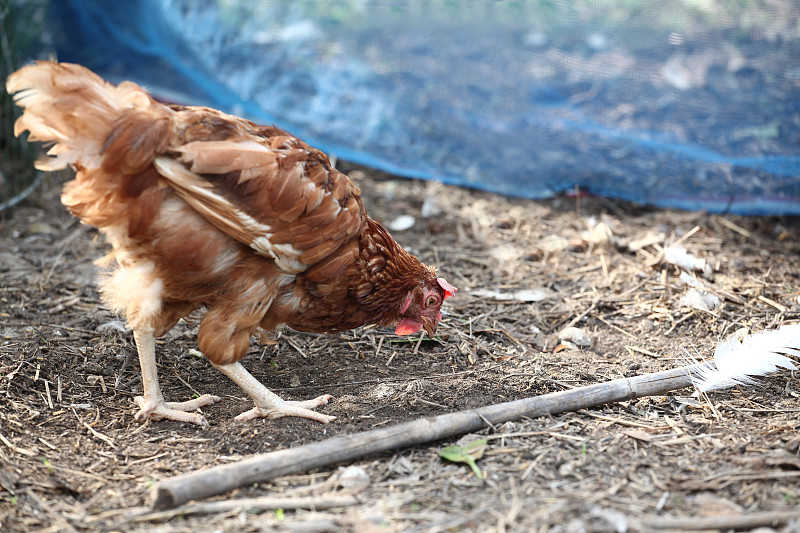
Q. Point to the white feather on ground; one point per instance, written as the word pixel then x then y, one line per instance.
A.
pixel 738 362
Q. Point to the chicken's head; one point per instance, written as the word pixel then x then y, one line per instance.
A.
pixel 422 307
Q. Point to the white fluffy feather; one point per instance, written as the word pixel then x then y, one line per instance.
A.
pixel 738 362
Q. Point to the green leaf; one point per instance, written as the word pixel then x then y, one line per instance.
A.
pixel 466 454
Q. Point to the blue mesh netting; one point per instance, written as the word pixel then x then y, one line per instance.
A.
pixel 685 104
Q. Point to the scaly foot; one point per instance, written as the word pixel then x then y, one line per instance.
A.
pixel 287 408
pixel 158 410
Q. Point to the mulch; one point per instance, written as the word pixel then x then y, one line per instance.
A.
pixel 73 459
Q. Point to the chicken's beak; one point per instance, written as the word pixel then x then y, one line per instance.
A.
pixel 429 326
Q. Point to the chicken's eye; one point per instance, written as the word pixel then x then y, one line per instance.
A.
pixel 432 300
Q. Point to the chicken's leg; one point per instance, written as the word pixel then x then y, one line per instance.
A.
pixel 152 404
pixel 268 404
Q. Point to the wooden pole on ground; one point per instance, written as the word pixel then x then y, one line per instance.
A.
pixel 220 479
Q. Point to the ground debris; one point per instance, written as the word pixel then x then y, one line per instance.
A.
pixel 73 459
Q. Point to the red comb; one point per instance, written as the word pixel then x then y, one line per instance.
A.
pixel 449 290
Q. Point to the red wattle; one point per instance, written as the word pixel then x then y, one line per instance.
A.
pixel 407 327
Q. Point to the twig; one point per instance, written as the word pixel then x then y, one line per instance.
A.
pixel 450 523
pixel 11 202
pixel 612 326
pixel 145 459
pixel 65 246
pixel 722 523
pixel 94 432
pixel 734 227
pixel 217 480
pixel 623 422
pixel 419 342
pixel 642 350
pixel 248 504
pixel 678 322
pixel 49 396
pixel 746 410
pixel 88 474
pixel 46 508
pixel 773 303
pixel 296 347
pixel 387 380
pixel 578 318
pixel 686 236
pixel 14 448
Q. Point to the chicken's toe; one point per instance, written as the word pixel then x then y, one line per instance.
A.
pixel 302 409
pixel 196 403
pixel 159 410
pixel 311 404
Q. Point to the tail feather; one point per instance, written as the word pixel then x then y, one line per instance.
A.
pixel 73 109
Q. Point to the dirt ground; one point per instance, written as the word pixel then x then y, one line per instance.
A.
pixel 73 459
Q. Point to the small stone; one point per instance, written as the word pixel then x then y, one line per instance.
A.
pixel 402 223
pixel 352 477
pixel 576 336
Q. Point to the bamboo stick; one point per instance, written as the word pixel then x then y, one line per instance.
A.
pixel 219 479
pixel 767 519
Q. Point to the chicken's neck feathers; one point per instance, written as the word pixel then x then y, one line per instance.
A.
pixel 386 272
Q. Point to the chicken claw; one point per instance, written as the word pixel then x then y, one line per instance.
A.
pixel 269 404
pixel 288 408
pixel 159 409
pixel 152 405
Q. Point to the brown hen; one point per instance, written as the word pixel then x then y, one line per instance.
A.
pixel 207 210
